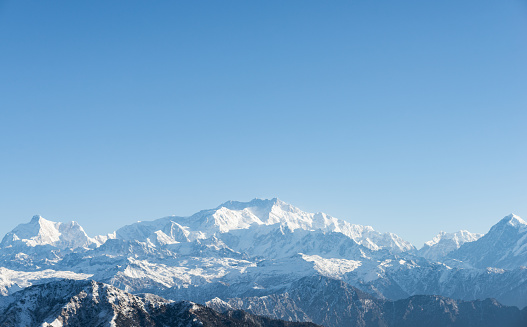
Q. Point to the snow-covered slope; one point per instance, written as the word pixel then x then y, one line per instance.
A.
pixel 444 243
pixel 41 232
pixel 232 216
pixel 12 281
pixel 390 279
pixel 504 246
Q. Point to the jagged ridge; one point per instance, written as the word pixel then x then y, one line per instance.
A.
pixel 89 303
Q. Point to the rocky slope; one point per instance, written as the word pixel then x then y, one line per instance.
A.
pixel 331 302
pixel 89 303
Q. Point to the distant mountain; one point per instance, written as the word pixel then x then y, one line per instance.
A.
pixel 43 243
pixel 332 302
pixel 444 243
pixel 232 215
pixel 89 303
pixel 504 246
pixel 42 232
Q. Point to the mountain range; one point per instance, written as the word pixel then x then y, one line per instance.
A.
pixel 262 256
pixel 90 303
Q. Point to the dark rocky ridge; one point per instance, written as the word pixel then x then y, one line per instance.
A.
pixel 93 304
pixel 332 302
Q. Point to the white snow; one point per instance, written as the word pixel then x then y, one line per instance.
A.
pixel 232 216
pixel 444 243
pixel 332 267
pixel 39 232
pixel 12 281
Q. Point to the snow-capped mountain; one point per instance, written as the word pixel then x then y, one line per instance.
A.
pixel 232 216
pixel 262 247
pixel 42 232
pixel 504 246
pixel 444 243
pixel 89 303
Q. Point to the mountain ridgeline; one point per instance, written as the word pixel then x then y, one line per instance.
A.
pixel 270 259
pixel 90 303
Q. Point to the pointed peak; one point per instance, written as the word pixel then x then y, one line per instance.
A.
pixel 39 220
pixel 40 231
pixel 513 220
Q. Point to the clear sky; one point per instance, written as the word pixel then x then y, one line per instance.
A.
pixel 409 116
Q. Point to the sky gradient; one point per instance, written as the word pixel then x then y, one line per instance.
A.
pixel 409 116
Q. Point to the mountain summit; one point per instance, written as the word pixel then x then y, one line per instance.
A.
pixel 514 221
pixel 256 215
pixel 504 246
pixel 42 232
pixel 444 243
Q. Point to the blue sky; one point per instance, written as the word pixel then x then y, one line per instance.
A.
pixel 409 116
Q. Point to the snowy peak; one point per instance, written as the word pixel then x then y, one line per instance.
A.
pixel 241 215
pixel 255 215
pixel 504 246
pixel 40 232
pixel 270 212
pixel 512 220
pixel 458 238
pixel 275 211
pixel 444 243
